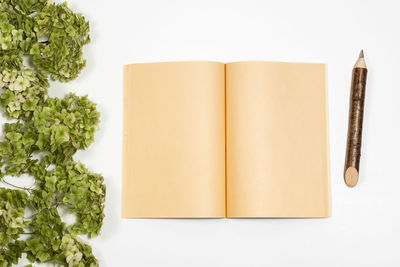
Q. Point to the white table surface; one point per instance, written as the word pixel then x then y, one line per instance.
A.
pixel 364 229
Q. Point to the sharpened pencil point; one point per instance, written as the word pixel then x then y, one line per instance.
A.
pixel 360 61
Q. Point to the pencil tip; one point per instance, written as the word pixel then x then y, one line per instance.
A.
pixel 361 54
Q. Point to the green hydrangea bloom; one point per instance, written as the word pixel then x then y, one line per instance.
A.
pixel 51 33
pixel 64 34
pixel 12 225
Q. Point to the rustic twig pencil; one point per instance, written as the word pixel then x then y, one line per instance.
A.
pixel 354 135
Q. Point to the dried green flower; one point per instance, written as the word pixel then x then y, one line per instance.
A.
pixel 54 36
pixel 63 33
pixel 44 136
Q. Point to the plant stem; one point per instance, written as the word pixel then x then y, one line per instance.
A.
pixel 15 186
pixel 28 233
pixel 55 205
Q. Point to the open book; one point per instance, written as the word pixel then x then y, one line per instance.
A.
pixel 208 139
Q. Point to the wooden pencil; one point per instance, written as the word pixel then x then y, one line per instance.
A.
pixel 356 114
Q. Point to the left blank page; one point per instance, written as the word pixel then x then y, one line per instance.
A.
pixel 174 140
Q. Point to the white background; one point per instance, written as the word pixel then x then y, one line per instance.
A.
pixel 364 229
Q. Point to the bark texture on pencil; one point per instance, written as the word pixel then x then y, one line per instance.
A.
pixel 354 135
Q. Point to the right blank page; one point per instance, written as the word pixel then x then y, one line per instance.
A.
pixel 277 140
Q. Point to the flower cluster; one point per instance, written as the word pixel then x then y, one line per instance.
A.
pixel 44 136
pixel 12 224
pixel 63 33
pixel 52 34
pixel 10 37
pixel 23 91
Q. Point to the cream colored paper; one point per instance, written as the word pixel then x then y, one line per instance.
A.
pixel 174 140
pixel 277 140
pixel 275 135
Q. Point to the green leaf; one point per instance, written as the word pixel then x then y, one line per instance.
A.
pixel 30 105
pixel 61 135
pixel 13 136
